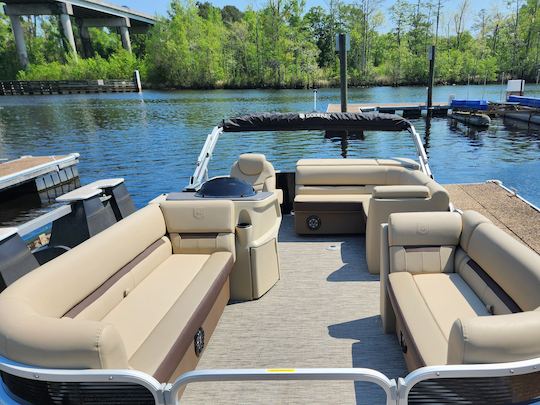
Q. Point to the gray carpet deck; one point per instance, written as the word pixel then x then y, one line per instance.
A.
pixel 324 312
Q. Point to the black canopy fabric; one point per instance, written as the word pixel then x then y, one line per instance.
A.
pixel 316 121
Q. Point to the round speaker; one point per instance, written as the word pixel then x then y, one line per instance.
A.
pixel 198 341
pixel 313 222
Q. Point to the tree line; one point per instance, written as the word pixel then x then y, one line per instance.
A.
pixel 285 45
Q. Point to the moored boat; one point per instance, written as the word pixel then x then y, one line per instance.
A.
pixel 375 253
pixel 471 118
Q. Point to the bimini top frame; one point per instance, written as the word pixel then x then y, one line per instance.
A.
pixel 305 122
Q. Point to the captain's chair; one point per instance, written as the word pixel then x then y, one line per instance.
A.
pixel 256 170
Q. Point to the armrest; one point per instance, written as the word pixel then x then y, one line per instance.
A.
pixel 34 339
pixel 391 192
pixel 279 194
pixel 495 339
pixel 388 316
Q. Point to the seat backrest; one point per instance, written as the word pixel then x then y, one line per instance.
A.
pixel 51 317
pixel 381 208
pixel 423 242
pixel 200 227
pixel 502 271
pixel 256 170
pixel 59 285
pixel 362 174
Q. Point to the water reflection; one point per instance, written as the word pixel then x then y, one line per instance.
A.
pixel 520 129
pixel 427 134
pixel 153 140
pixel 472 133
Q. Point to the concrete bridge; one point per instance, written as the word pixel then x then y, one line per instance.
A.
pixel 85 13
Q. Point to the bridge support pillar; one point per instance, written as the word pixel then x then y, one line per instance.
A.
pixel 122 23
pixel 68 34
pixel 126 41
pixel 20 44
pixel 87 50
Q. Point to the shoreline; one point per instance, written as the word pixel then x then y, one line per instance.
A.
pixel 318 85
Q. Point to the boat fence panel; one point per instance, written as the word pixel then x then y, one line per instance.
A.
pixel 503 383
pixel 80 392
pixel 283 374
pixel 56 386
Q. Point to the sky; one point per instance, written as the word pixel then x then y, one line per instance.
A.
pixel 449 7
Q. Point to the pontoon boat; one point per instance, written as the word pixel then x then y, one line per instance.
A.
pixel 348 280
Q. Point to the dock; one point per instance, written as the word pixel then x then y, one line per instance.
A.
pixel 39 172
pixel 502 206
pixel 409 110
pixel 49 87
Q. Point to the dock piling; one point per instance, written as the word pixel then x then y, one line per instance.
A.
pixel 431 58
pixel 342 48
pixel 137 81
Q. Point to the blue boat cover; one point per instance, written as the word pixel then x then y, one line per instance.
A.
pixel 470 104
pixel 526 101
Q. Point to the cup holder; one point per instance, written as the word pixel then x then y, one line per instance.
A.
pixel 243 225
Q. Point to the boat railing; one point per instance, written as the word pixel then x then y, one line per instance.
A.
pixel 36 379
pixel 514 382
pixel 200 175
pixel 501 383
pixel 422 155
pixel 284 374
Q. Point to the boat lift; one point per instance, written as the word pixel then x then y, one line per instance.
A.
pixel 88 210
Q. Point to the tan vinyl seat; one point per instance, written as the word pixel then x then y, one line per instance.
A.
pixel 357 195
pixel 257 171
pixel 458 290
pixel 128 297
pixel 406 191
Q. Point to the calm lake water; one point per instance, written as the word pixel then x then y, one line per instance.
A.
pixel 153 139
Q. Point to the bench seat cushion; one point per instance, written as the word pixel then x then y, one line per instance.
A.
pixel 332 202
pixel 159 318
pixel 427 306
pixel 302 198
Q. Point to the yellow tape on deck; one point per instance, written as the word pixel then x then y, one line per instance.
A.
pixel 281 370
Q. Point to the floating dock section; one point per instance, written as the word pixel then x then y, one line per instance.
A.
pixel 502 206
pixel 409 110
pixel 38 172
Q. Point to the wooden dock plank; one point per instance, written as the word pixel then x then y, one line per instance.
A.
pixel 24 163
pixel 45 171
pixel 506 210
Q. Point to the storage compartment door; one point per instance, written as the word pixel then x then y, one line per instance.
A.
pixel 264 267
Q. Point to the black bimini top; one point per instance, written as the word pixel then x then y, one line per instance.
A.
pixel 337 121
